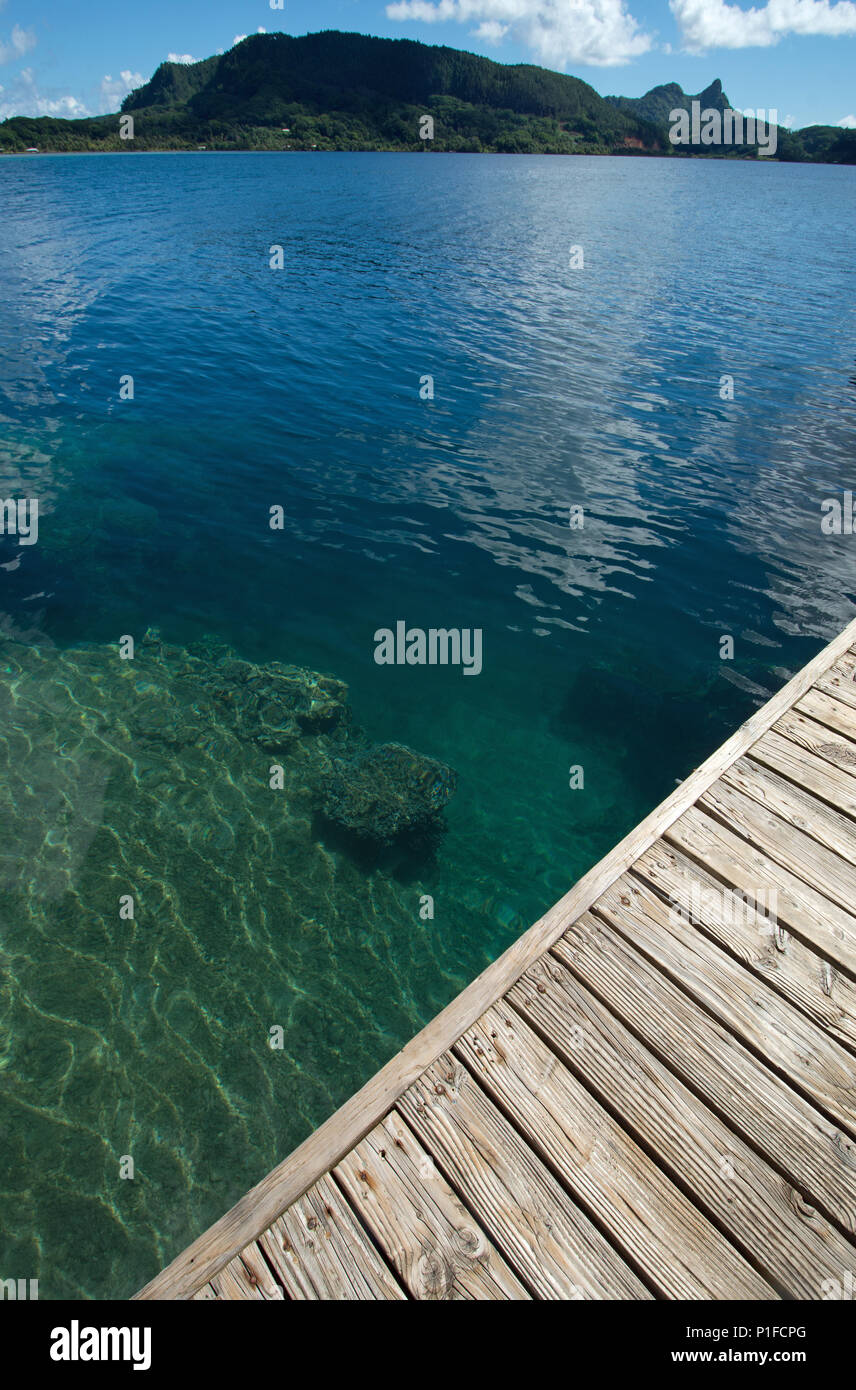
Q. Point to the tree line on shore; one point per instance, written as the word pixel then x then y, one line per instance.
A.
pixel 334 91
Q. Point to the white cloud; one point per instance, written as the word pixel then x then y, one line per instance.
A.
pixel 20 42
pixel 239 38
pixel 848 122
pixel 67 106
pixel 599 32
pixel 24 98
pixel 115 89
pixel 180 58
pixel 491 31
pixel 709 24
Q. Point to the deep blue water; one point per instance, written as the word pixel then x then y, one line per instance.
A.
pixel 553 387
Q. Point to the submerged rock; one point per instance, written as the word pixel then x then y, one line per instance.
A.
pixel 387 792
pixel 196 729
pixel 318 703
pixel 146 777
pixel 271 705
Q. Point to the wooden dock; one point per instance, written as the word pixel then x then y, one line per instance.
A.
pixel 651 1094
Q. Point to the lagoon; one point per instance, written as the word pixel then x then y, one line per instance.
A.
pixel 554 388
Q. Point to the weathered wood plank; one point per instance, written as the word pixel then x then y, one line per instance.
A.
pixel 817 739
pixel 233 1282
pixel 823 779
pixel 847 660
pixel 829 711
pixel 781 841
pixel 782 960
pixel 259 1274
pixel 799 907
pixel 532 1221
pixel 791 1243
pixel 320 1251
pixel 840 682
pixel 760 1018
pixel 796 805
pixel 642 1211
pixel 259 1207
pixel 815 1155
pixel 436 1247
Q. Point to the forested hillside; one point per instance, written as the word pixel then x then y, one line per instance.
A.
pixel 334 91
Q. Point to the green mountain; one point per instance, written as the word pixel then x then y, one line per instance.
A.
pixel 269 73
pixel 656 104
pixel 333 91
pixel 824 144
pixel 347 91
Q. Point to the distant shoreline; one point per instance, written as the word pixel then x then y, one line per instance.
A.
pixel 456 154
pixel 350 93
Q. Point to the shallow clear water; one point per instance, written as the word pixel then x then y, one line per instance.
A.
pixel 553 387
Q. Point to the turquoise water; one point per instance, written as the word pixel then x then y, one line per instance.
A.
pixel 553 387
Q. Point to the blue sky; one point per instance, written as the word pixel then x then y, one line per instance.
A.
pixel 797 57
